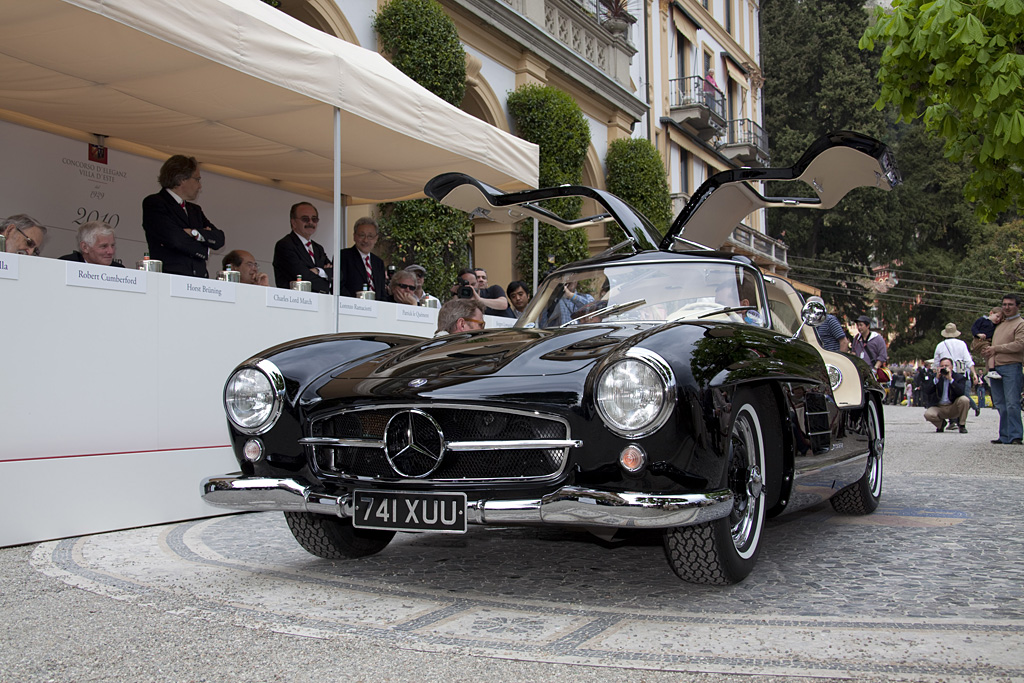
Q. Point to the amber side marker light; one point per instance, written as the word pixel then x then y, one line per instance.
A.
pixel 632 458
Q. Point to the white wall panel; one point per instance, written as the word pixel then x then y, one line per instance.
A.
pixel 110 401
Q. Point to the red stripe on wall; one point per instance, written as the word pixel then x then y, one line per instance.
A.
pixel 95 455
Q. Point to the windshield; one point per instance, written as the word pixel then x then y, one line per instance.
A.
pixel 649 292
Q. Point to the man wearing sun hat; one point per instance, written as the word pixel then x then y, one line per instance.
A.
pixel 956 350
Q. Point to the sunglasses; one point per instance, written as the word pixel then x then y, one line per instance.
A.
pixel 33 247
pixel 408 288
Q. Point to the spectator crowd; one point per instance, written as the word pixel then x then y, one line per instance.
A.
pixel 181 237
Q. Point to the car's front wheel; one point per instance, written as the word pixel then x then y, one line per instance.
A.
pixel 725 550
pixel 862 496
pixel 334 538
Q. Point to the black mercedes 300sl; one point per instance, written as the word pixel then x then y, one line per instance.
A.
pixel 662 385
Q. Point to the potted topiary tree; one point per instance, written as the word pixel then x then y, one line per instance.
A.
pixel 615 16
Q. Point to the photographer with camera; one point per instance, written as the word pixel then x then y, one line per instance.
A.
pixel 467 287
pixel 947 397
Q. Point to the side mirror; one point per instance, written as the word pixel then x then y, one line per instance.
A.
pixel 813 313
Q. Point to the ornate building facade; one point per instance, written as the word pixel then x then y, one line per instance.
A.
pixel 683 73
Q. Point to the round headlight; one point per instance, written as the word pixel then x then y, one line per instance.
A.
pixel 252 400
pixel 634 395
pixel 835 376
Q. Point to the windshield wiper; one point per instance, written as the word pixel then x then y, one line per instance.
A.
pixel 607 310
pixel 731 309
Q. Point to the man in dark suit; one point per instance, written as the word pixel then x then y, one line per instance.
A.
pixel 297 255
pixel 177 231
pixel 359 266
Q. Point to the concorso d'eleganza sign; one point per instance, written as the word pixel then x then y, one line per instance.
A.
pixel 105 277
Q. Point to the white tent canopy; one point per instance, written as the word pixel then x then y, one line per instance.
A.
pixel 239 84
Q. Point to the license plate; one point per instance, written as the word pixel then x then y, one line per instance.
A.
pixel 402 511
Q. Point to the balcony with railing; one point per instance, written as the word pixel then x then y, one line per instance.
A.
pixel 768 253
pixel 697 103
pixel 585 27
pixel 745 143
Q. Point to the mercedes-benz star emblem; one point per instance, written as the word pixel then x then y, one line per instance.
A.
pixel 413 443
pixel 417 383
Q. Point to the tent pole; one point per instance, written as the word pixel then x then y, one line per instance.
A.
pixel 338 212
pixel 535 264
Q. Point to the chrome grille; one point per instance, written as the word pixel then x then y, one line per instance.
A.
pixel 479 444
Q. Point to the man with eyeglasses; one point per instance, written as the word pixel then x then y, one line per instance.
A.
pixel 460 315
pixel 177 231
pixel 360 267
pixel 403 288
pixel 247 266
pixel 297 255
pixel 1007 351
pixel 23 235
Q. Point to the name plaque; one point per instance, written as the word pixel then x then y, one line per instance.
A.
pixel 207 290
pixel 498 321
pixel 288 298
pixel 367 308
pixel 415 314
pixel 8 266
pixel 105 277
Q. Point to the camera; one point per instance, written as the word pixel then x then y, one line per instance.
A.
pixel 465 290
pixel 943 371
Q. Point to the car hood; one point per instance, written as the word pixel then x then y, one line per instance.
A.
pixel 491 359
pixel 510 352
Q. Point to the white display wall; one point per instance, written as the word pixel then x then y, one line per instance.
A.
pixel 111 381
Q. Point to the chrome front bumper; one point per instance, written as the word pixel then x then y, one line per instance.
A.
pixel 568 506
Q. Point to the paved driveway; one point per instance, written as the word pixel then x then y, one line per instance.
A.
pixel 929 587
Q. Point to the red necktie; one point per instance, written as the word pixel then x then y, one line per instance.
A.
pixel 183 207
pixel 369 272
pixel 309 248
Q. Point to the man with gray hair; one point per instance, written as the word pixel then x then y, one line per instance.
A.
pixel 421 277
pixel 96 245
pixel 23 235
pixel 460 315
pixel 402 288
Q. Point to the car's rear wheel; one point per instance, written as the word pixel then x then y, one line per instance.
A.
pixel 334 538
pixel 725 550
pixel 862 496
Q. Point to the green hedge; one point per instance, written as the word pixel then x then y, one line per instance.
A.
pixel 430 234
pixel 637 174
pixel 422 42
pixel 552 119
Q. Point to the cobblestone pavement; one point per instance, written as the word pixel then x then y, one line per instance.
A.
pixel 928 587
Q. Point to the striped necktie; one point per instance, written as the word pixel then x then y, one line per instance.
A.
pixel 369 272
